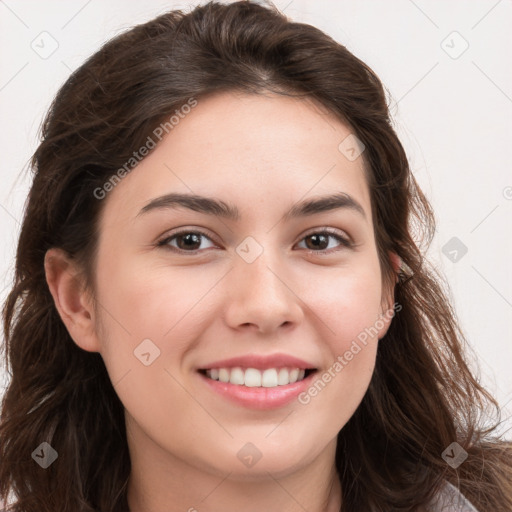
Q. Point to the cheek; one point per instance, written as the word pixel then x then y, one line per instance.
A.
pixel 346 301
pixel 348 307
pixel 153 301
pixel 150 318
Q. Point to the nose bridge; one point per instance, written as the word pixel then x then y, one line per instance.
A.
pixel 256 258
pixel 260 293
pixel 262 277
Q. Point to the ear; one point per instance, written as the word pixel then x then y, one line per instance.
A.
pixel 73 303
pixel 388 295
pixel 396 263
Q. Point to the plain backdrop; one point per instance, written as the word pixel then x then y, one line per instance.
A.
pixel 447 68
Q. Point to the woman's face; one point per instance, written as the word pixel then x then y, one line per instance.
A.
pixel 184 288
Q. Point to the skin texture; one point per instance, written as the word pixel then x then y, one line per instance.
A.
pixel 262 153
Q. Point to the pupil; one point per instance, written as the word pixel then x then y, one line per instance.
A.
pixel 319 241
pixel 190 239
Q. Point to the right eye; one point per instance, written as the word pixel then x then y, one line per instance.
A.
pixel 185 241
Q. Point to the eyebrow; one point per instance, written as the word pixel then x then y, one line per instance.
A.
pixel 219 208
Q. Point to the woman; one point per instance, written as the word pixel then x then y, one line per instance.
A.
pixel 219 303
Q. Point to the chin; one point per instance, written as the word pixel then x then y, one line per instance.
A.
pixel 250 462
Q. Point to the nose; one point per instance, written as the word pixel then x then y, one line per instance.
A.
pixel 261 298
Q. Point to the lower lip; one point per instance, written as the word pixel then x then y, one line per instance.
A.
pixel 259 397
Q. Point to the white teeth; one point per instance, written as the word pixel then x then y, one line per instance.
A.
pixel 223 374
pixel 283 378
pixel 237 376
pixel 253 378
pixel 294 375
pixel 269 378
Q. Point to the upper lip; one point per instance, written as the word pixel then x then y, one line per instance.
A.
pixel 261 362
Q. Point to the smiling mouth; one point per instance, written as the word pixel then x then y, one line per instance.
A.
pixel 254 378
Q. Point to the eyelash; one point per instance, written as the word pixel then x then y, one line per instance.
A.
pixel 345 243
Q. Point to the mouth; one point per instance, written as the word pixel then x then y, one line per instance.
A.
pixel 256 378
pixel 258 382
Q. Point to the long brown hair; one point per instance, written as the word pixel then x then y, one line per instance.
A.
pixel 422 396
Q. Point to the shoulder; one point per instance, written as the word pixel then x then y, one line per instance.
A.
pixel 450 499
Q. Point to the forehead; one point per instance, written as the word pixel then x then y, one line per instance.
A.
pixel 251 149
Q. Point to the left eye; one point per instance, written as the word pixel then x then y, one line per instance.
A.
pixel 319 238
pixel 319 242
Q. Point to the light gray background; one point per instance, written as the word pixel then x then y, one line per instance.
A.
pixel 452 108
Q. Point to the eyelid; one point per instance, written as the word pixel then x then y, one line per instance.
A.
pixel 343 235
pixel 162 241
pixel 344 239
